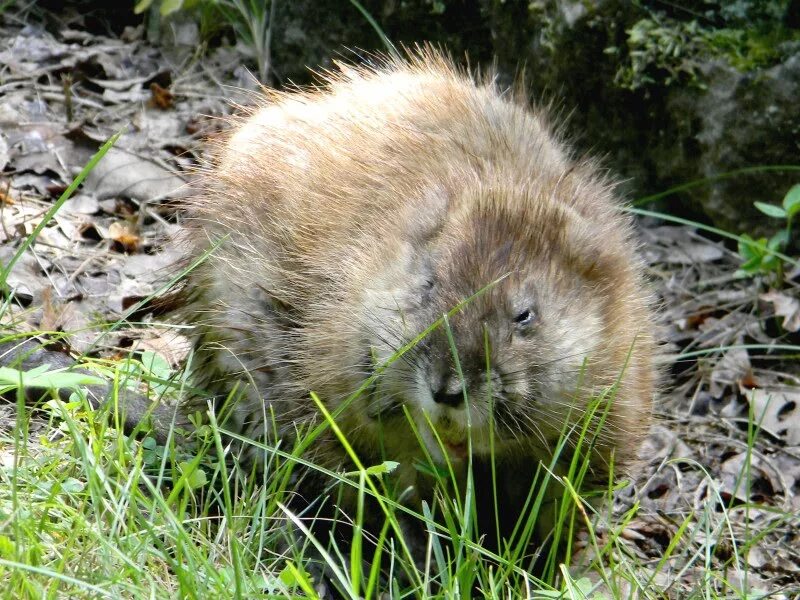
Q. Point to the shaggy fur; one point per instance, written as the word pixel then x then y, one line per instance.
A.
pixel 351 217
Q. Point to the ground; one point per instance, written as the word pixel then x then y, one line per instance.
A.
pixel 719 476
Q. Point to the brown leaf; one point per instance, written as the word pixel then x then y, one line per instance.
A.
pixel 161 97
pixel 5 196
pixel 125 234
pixel 748 381
pixel 52 312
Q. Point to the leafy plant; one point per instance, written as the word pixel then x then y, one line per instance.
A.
pixel 251 20
pixel 166 7
pixel 660 52
pixel 763 256
pixel 43 377
pixel 669 44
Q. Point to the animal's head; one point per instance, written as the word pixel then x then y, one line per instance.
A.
pixel 498 318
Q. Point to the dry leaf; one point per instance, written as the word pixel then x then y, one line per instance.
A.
pixel 161 97
pixel 5 196
pixel 173 346
pixel 785 306
pixel 124 173
pixel 3 152
pixel 777 411
pixel 733 367
pixel 125 234
pixel 744 476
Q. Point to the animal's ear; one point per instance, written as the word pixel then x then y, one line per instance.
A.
pixel 281 305
pixel 595 252
pixel 424 225
pixel 272 303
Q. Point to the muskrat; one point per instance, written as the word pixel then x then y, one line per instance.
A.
pixel 350 217
pixel 347 221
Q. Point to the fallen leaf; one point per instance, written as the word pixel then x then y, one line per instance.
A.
pixel 161 97
pixel 777 411
pixel 173 346
pixel 84 204
pixel 748 381
pixel 5 195
pixel 125 234
pixel 123 173
pixel 733 367
pixel 746 477
pixel 3 152
pixel 785 306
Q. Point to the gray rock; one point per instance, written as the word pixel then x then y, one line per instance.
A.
pixel 745 120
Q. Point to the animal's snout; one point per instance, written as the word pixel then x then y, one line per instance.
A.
pixel 450 393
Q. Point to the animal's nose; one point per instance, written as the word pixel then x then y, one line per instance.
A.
pixel 450 393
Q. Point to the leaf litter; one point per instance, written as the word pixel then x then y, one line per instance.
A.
pixel 726 379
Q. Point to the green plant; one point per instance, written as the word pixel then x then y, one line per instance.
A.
pixel 660 52
pixel 251 20
pixel 151 518
pixel 763 256
pixel 43 377
pixel 670 43
pixel 89 513
pixel 201 527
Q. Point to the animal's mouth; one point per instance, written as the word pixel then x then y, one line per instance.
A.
pixel 455 444
pixel 457 450
pixel 449 440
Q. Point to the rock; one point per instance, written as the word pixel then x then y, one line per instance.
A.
pixel 746 119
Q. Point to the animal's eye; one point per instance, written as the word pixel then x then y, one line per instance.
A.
pixel 524 318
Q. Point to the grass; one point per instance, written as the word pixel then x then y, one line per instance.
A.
pixel 91 513
pixel 86 512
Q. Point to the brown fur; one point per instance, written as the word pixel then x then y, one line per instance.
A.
pixel 349 218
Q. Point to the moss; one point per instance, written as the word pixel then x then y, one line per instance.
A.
pixel 748 50
pixel 666 47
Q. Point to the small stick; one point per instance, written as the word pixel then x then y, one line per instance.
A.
pixel 66 81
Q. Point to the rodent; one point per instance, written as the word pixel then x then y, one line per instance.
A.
pixel 347 219
pixel 350 217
